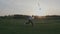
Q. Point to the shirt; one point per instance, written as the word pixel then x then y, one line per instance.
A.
pixel 30 18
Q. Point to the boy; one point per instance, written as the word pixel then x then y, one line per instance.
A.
pixel 30 20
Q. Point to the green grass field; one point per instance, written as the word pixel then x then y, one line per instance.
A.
pixel 17 26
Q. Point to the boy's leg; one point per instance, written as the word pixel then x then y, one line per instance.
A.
pixel 28 22
pixel 31 22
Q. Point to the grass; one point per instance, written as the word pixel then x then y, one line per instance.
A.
pixel 17 26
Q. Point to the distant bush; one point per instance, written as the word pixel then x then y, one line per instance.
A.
pixel 53 17
pixel 14 17
pixel 20 16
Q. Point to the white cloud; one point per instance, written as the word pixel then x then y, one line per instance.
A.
pixel 30 6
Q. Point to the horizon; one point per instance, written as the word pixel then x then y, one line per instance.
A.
pixel 28 15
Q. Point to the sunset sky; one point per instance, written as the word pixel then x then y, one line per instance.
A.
pixel 30 7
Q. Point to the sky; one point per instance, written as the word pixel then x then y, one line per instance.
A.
pixel 30 7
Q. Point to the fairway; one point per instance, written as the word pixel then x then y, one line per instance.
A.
pixel 17 26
